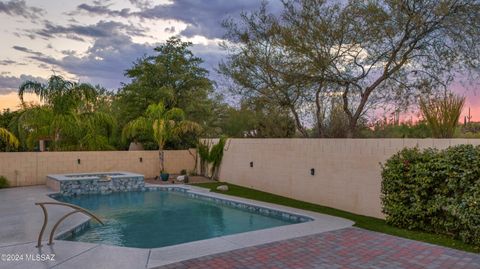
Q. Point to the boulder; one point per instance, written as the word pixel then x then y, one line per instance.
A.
pixel 222 188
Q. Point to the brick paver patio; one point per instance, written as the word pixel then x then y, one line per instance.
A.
pixel 346 248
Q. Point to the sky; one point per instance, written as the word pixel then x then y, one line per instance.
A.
pixel 96 41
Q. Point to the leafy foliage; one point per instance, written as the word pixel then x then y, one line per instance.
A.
pixel 435 191
pixel 383 129
pixel 4 182
pixel 257 118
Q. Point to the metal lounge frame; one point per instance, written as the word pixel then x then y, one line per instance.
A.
pixel 45 219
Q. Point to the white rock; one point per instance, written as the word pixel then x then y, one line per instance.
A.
pixel 222 188
pixel 181 178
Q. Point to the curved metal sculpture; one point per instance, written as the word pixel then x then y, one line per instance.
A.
pixel 45 219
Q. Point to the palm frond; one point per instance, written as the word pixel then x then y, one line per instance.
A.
pixel 9 138
pixel 187 127
pixel 155 110
pixel 32 87
pixel 135 127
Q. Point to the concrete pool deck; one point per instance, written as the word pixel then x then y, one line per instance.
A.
pixel 21 221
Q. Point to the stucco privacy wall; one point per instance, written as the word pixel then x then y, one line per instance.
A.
pixel 347 171
pixel 31 168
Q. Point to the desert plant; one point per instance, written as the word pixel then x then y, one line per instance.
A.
pixel 4 182
pixel 203 149
pixel 216 156
pixel 442 114
pixel 211 154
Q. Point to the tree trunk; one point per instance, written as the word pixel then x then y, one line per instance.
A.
pixel 352 127
pixel 319 113
pixel 161 156
pixel 298 123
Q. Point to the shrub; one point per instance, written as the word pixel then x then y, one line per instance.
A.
pixel 435 191
pixel 183 172
pixel 4 182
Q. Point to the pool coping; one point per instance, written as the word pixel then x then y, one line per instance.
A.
pixel 171 254
pixel 70 254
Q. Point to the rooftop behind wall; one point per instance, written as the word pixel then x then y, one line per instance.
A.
pixel 32 168
pixel 347 171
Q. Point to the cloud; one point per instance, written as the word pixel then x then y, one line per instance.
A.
pixel 7 62
pixel 10 84
pixel 201 19
pixel 211 55
pixel 26 50
pixel 20 8
pixel 100 9
pixel 104 62
pixel 141 4
pixel 111 53
pixel 101 29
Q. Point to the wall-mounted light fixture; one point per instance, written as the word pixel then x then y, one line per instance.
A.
pixel 78 161
pixel 251 164
pixel 312 171
pixel 141 159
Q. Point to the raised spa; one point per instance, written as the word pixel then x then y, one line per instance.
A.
pixel 93 183
pixel 164 216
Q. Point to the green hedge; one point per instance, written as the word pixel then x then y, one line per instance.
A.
pixel 3 182
pixel 434 190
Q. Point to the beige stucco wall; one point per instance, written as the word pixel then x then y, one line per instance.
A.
pixel 347 171
pixel 31 168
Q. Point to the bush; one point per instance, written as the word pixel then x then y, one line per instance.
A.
pixel 435 191
pixel 4 182
pixel 183 172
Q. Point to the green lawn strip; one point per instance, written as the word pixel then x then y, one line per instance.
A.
pixel 369 223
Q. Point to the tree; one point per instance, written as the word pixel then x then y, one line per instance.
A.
pixel 442 114
pixel 68 117
pixel 256 64
pixel 257 118
pixel 372 53
pixel 174 77
pixel 162 124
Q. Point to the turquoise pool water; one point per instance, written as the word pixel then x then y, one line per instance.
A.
pixel 162 218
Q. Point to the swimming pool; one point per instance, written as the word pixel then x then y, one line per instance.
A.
pixel 169 216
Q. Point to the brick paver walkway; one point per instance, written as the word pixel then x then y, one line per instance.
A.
pixel 346 248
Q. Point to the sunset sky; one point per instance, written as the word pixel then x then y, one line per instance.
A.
pixel 95 41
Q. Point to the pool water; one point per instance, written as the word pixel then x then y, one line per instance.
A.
pixel 162 218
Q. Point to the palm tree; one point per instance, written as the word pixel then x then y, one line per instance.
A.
pixel 67 118
pixel 162 124
pixel 9 138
